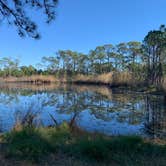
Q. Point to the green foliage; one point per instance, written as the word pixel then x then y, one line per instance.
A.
pixel 102 59
pixel 32 144
pixel 27 144
pixel 126 144
pixel 154 49
pixel 57 136
pixel 28 70
pixel 94 149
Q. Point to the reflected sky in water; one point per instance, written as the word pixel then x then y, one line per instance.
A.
pixel 93 108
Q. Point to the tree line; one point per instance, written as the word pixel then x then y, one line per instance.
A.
pixel 145 60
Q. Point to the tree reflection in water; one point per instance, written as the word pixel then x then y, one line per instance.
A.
pixel 92 108
pixel 155 123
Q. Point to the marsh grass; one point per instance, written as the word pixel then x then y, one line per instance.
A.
pixel 111 79
pixel 35 79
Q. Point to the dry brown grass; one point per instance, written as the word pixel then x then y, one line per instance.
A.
pixel 37 79
pixel 112 79
pixel 94 79
pixel 123 78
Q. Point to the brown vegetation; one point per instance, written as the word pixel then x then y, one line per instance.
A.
pixel 36 79
pixel 111 79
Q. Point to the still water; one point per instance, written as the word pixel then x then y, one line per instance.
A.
pixel 92 108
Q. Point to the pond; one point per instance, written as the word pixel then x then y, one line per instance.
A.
pixel 91 108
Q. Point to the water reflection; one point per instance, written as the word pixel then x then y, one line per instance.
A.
pixel 155 123
pixel 92 108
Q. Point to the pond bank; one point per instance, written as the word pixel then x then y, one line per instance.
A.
pixel 121 80
pixel 112 78
pixel 64 145
pixel 34 79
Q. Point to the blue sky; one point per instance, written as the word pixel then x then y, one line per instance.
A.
pixel 82 25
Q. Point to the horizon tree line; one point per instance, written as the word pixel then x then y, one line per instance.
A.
pixel 144 60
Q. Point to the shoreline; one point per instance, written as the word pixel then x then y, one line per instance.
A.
pixel 28 145
pixel 41 80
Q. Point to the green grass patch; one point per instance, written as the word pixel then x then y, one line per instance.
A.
pixel 32 144
pixel 27 144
